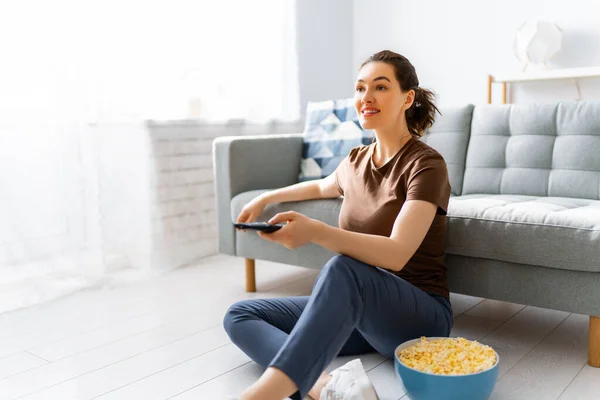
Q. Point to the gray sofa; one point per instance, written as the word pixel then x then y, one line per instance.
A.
pixel 524 216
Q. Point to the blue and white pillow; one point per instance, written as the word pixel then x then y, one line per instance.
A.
pixel 330 132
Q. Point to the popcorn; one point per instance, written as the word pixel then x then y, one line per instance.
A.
pixel 448 356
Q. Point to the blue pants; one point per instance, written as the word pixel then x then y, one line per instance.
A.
pixel 354 308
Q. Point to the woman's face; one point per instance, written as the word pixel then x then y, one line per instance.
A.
pixel 378 99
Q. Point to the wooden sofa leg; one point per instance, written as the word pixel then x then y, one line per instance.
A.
pixel 251 276
pixel 594 343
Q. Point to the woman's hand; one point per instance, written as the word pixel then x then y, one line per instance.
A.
pixel 251 211
pixel 298 231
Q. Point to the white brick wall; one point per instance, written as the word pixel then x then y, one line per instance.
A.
pixel 167 193
pixel 184 216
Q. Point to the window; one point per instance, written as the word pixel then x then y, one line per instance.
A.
pixel 123 60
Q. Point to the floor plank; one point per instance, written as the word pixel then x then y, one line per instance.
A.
pixel 130 370
pixel 236 381
pixel 180 302
pixel 549 368
pixel 18 363
pixel 97 359
pixel 586 385
pixel 162 338
pixel 494 309
pixel 473 328
pixel 191 308
pixel 221 387
pixel 461 303
pixel 69 369
pixel 519 335
pixel 170 382
pixel 387 385
pixel 94 309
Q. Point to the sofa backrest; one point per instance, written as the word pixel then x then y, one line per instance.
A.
pixel 535 149
pixel 449 135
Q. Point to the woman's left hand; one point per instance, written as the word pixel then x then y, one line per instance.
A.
pixel 296 233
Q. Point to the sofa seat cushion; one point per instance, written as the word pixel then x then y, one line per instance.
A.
pixel 553 232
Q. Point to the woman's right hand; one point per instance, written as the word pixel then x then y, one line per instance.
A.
pixel 251 211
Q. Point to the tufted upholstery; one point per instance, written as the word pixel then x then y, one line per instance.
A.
pixel 535 149
pixel 449 135
pixel 551 232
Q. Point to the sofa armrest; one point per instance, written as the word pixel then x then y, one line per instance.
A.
pixel 243 163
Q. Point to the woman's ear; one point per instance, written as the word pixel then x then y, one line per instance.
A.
pixel 409 99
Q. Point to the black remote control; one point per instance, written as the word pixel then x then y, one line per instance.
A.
pixel 259 226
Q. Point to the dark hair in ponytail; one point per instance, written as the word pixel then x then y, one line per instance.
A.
pixel 421 115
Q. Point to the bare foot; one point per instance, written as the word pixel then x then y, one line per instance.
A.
pixel 315 392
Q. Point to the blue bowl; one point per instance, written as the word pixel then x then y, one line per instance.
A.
pixel 427 386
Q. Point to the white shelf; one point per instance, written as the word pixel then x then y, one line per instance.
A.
pixel 542 75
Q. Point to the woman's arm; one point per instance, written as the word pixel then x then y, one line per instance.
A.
pixel 317 189
pixel 410 228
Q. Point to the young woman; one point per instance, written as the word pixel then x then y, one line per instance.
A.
pixel 388 283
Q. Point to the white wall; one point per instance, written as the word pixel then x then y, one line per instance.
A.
pixel 455 45
pixel 325 48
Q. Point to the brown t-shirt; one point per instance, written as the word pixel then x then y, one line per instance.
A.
pixel 374 196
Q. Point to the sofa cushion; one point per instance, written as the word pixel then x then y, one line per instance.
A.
pixel 535 149
pixel 331 130
pixel 449 135
pixel 546 231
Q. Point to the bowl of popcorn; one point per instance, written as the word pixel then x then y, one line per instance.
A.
pixel 438 368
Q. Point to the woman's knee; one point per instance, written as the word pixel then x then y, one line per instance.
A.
pixel 236 313
pixel 344 265
pixel 343 269
pixel 340 261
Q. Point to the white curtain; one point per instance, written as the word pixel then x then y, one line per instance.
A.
pixel 79 81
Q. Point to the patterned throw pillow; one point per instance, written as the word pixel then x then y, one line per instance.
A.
pixel 330 132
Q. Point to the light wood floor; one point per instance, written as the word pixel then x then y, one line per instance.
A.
pixel 163 339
